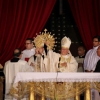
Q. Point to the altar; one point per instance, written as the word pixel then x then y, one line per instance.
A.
pixel 56 86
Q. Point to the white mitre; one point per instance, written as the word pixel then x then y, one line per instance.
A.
pixel 65 42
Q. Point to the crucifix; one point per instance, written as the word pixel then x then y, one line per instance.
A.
pixel 45 30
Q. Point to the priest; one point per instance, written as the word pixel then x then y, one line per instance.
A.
pixel 63 62
pixel 39 61
pixel 11 68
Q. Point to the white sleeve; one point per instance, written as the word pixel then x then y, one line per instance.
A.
pixel 5 68
pixel 27 68
pixel 23 56
pixel 31 60
pixel 53 60
pixel 86 60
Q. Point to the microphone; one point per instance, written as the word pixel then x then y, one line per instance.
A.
pixel 58 70
pixel 59 64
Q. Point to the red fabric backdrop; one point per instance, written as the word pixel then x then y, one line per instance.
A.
pixel 20 19
pixel 87 16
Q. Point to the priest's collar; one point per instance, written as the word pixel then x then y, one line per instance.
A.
pixel 15 59
pixel 82 56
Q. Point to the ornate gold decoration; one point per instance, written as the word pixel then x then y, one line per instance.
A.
pixel 45 38
pixel 62 60
pixel 88 92
pixel 96 85
pixel 39 41
pixel 43 91
pixel 49 39
pixel 32 95
pixel 19 90
pixel 77 97
pixel 53 90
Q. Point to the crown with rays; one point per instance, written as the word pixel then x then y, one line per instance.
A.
pixel 45 38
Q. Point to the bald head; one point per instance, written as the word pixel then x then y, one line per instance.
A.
pixel 17 53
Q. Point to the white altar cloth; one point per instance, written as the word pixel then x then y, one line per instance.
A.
pixel 57 77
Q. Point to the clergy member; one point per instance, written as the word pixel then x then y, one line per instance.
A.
pixel 39 61
pixel 30 49
pixel 11 68
pixel 80 58
pixel 64 62
pixel 67 62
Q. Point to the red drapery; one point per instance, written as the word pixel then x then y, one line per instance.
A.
pixel 87 16
pixel 20 19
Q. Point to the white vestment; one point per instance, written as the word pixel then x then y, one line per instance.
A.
pixel 10 71
pixel 40 64
pixel 54 60
pixel 80 60
pixel 27 53
pixel 72 64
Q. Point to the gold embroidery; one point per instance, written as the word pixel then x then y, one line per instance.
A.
pixel 63 59
pixel 51 90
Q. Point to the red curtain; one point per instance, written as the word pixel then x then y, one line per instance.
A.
pixel 20 19
pixel 87 16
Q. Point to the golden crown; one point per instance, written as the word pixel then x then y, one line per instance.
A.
pixel 39 41
pixel 45 38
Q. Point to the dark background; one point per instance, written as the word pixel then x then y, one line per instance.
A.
pixel 61 23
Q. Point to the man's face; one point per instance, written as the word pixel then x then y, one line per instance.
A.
pixel 28 44
pixel 81 51
pixel 98 51
pixel 95 42
pixel 40 50
pixel 64 51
